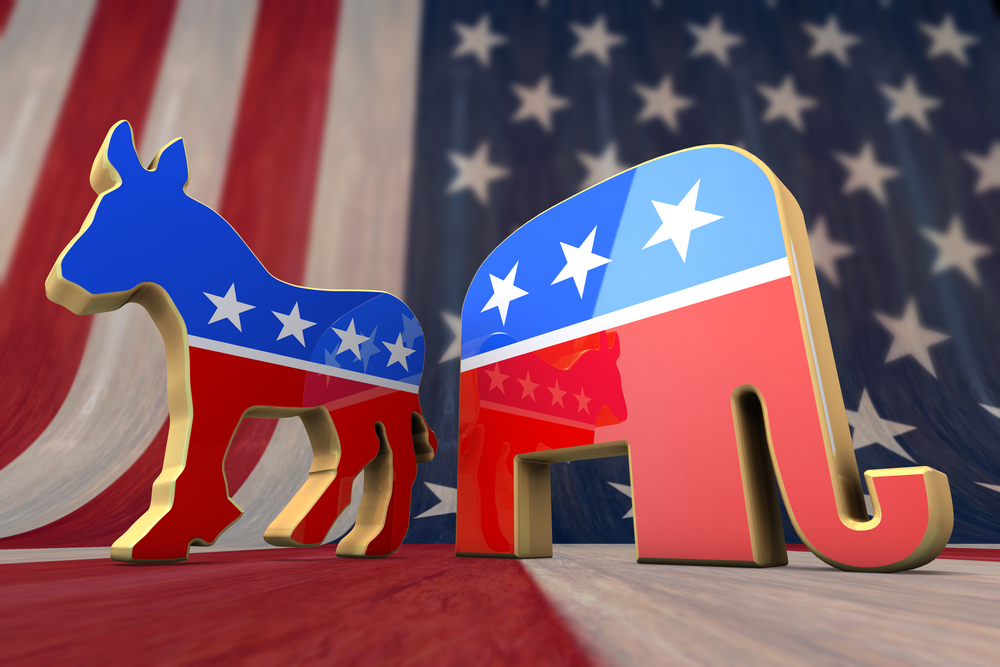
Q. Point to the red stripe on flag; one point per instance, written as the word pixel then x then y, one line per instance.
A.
pixel 950 553
pixel 42 342
pixel 420 606
pixel 274 162
pixel 267 196
pixel 6 9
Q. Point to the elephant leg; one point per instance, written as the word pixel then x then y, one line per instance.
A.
pixel 307 518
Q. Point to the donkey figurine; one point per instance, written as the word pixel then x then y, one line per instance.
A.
pixel 241 343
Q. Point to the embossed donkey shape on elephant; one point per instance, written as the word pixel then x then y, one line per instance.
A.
pixel 698 265
pixel 241 343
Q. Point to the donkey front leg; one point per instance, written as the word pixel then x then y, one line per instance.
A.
pixel 190 501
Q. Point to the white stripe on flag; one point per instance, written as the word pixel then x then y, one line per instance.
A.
pixel 360 217
pixel 117 403
pixel 37 53
pixel 735 282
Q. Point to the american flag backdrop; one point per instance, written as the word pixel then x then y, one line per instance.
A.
pixel 394 145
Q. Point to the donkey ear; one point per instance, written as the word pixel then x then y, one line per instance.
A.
pixel 117 160
pixel 170 163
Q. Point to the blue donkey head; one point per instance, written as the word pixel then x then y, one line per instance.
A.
pixel 120 244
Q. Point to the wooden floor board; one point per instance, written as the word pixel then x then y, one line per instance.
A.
pixel 947 612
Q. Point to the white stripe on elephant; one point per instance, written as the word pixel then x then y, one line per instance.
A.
pixel 118 402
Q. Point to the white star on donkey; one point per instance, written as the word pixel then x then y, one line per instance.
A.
pixel 350 340
pixel 504 291
pixel 580 261
pixel 398 352
pixel 784 101
pixel 527 386
pixel 228 308
pixel 538 103
pixel 827 251
pixel 909 338
pixel 454 350
pixel 988 166
pixel 712 39
pixel 866 173
pixel 946 40
pixel 447 501
pixel 662 102
pixel 477 40
pixel 475 172
pixel 907 102
pixel 957 251
pixel 600 167
pixel 293 325
pixel 677 222
pixel 595 40
pixel 830 40
pixel 870 429
pixel 627 490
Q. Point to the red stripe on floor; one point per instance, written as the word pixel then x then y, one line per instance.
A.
pixel 6 9
pixel 42 342
pixel 267 197
pixel 297 606
pixel 952 553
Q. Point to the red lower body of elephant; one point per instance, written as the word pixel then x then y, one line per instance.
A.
pixel 225 387
pixel 679 371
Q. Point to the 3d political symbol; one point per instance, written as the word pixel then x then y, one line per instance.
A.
pixel 672 313
pixel 241 343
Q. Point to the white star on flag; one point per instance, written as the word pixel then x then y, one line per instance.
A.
pixel 870 429
pixel 957 251
pixel 784 101
pixel 830 40
pixel 677 222
pixel 447 501
pixel 475 172
pixel 504 291
pixel 595 40
pixel 946 40
pixel 865 172
pixel 909 338
pixel 350 340
pixel 627 490
pixel 907 102
pixel 662 102
pixel 988 166
pixel 454 323
pixel 398 352
pixel 228 308
pixel 580 261
pixel 538 103
pixel 477 40
pixel 712 39
pixel 293 325
pixel 827 251
pixel 600 167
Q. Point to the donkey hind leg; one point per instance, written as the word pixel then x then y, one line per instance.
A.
pixel 307 518
pixel 190 501
pixel 384 512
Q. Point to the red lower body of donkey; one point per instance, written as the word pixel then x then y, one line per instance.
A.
pixel 352 426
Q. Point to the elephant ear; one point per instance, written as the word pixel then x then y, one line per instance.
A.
pixel 117 161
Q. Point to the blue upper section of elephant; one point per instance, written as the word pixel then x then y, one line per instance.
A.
pixel 147 230
pixel 670 224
